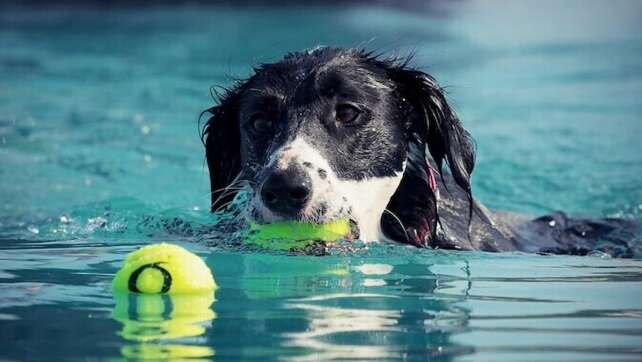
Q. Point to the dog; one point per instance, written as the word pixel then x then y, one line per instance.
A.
pixel 342 133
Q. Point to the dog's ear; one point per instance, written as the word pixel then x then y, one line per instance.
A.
pixel 222 140
pixel 433 121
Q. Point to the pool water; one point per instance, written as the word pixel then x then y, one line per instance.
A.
pixel 100 154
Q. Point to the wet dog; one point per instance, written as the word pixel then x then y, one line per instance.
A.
pixel 331 133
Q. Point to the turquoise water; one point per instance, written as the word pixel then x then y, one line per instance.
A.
pixel 99 154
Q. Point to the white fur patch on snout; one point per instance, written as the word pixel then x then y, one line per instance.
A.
pixel 362 200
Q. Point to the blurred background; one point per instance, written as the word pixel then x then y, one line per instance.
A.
pixel 100 100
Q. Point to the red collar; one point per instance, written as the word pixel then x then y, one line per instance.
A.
pixel 431 179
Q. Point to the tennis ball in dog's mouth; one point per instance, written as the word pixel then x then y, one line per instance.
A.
pixel 163 269
pixel 286 235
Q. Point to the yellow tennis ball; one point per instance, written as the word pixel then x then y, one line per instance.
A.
pixel 163 269
pixel 290 234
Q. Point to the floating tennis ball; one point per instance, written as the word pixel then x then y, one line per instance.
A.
pixel 163 269
pixel 286 235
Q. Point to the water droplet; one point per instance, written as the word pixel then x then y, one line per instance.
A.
pixel 33 229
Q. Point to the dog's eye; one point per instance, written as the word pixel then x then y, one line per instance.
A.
pixel 260 123
pixel 346 113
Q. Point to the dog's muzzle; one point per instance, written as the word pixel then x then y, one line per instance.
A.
pixel 286 191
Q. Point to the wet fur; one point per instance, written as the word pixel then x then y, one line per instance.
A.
pixel 413 130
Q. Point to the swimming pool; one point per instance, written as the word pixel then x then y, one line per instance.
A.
pixel 99 154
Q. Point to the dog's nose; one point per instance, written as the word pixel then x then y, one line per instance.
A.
pixel 286 191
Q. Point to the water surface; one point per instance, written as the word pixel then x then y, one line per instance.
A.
pixel 99 154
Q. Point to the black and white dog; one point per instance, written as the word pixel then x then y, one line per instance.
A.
pixel 331 133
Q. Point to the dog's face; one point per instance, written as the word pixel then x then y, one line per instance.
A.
pixel 317 136
pixel 321 138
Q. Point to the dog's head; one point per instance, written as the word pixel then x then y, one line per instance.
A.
pixel 326 133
